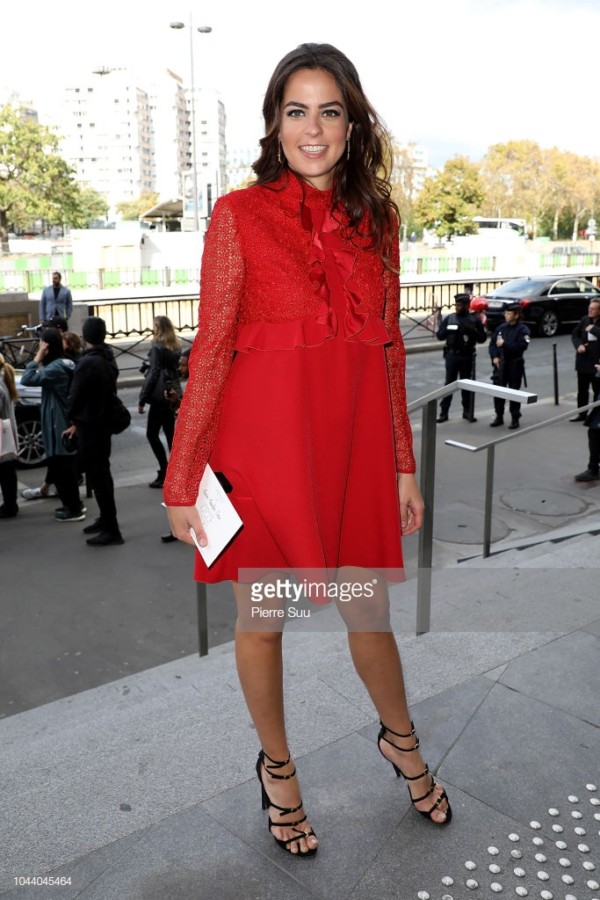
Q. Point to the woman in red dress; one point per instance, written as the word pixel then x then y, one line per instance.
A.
pixel 296 394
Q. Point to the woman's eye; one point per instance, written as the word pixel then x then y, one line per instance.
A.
pixel 331 113
pixel 295 113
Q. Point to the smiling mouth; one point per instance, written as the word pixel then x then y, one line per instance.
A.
pixel 314 148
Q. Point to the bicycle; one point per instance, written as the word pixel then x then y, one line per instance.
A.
pixel 20 349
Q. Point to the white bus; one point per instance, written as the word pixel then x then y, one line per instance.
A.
pixel 517 226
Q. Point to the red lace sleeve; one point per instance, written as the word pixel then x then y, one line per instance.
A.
pixel 221 289
pixel 396 365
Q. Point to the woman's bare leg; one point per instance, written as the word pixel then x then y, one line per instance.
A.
pixel 260 670
pixel 376 659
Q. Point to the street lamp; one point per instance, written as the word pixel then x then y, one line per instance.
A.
pixel 203 29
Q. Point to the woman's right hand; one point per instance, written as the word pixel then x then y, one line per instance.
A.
pixel 182 518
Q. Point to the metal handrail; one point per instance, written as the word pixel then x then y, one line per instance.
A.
pixel 490 448
pixel 428 404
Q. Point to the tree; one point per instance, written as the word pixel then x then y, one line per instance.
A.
pixel 130 210
pixel 450 199
pixel 35 182
pixel 90 205
pixel 516 183
pixel 404 182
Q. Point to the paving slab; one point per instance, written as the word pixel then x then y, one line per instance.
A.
pixel 188 855
pixel 564 674
pixel 523 756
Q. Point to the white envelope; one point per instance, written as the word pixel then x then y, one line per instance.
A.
pixel 219 517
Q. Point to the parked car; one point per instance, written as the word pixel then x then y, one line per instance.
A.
pixel 548 302
pixel 570 250
pixel 29 428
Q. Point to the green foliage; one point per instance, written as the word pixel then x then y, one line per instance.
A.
pixel 450 199
pixel 91 205
pixel 35 182
pixel 130 210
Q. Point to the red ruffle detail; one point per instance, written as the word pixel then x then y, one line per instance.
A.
pixel 306 332
pixel 358 326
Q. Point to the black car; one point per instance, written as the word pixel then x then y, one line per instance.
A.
pixel 548 302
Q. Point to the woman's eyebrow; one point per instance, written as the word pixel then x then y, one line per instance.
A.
pixel 321 105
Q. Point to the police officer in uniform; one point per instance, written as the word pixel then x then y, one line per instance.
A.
pixel 509 342
pixel 586 340
pixel 462 331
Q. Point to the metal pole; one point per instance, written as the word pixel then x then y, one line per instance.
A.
pixel 202 619
pixel 555 371
pixel 426 532
pixel 487 516
pixel 193 111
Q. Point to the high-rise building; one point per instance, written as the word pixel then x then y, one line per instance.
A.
pixel 125 135
pixel 170 127
pixel 107 135
pixel 208 111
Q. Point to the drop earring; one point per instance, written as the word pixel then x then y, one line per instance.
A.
pixel 279 152
pixel 348 148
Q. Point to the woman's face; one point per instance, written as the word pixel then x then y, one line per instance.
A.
pixel 314 125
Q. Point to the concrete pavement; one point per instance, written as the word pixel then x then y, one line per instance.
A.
pixel 130 769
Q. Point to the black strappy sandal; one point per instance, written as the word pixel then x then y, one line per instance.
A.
pixel 414 800
pixel 283 811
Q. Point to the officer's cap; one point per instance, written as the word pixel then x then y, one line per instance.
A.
pixel 513 307
pixel 462 298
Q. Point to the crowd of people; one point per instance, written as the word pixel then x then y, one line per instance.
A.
pixel 78 380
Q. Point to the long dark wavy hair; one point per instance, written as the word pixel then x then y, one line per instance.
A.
pixel 361 180
pixel 53 338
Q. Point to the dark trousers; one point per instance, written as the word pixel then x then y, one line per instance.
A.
pixel 8 485
pixel 510 375
pixel 458 367
pixel 594 445
pixel 585 381
pixel 95 451
pixel 160 416
pixel 66 478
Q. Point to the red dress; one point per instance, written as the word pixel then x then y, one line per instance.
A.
pixel 304 431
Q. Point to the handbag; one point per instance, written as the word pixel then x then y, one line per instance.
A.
pixel 120 417
pixel 8 444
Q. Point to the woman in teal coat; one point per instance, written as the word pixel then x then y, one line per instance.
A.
pixel 54 372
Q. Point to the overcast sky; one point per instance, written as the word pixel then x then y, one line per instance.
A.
pixel 453 75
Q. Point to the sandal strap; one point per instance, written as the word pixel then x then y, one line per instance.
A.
pixel 301 834
pixel 276 764
pixel 443 796
pixel 285 811
pixel 425 795
pixel 413 733
pixel 287 824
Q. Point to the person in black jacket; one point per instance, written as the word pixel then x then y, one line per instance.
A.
pixel 90 410
pixel 161 376
pixel 586 340
pixel 462 331
pixel 509 342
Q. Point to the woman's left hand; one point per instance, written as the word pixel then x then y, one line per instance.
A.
pixel 411 504
pixel 41 353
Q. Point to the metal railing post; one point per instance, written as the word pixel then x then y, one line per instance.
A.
pixel 202 619
pixel 489 488
pixel 425 550
pixel 555 372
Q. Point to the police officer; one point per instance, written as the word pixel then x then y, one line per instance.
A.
pixel 462 331
pixel 586 340
pixel 509 342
